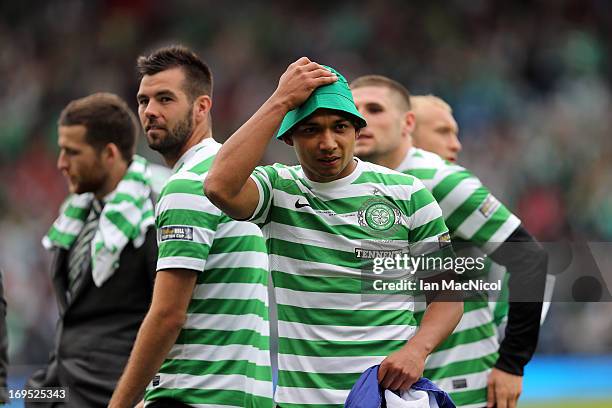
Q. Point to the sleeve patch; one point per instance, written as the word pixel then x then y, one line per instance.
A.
pixel 489 205
pixel 444 240
pixel 176 232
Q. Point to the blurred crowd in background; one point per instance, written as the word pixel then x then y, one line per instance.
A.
pixel 530 83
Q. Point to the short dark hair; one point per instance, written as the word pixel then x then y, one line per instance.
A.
pixel 107 119
pixel 198 78
pixel 383 81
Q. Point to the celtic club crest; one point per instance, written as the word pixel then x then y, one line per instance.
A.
pixel 379 215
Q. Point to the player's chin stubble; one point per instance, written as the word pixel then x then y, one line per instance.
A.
pixel 175 138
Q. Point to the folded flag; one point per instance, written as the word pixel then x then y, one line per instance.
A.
pixel 367 393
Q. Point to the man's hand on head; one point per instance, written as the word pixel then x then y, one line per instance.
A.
pixel 299 81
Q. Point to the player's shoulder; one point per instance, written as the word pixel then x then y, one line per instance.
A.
pixel 377 174
pixel 189 177
pixel 286 170
pixel 422 159
pixel 201 160
pixel 183 182
pixel 279 171
pixel 430 167
pixel 184 190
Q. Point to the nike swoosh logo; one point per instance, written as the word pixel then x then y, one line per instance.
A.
pixel 300 205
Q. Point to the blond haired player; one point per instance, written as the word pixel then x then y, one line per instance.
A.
pixel 471 365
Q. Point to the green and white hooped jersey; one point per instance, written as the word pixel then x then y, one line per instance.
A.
pixel 318 235
pixel 460 365
pixel 221 356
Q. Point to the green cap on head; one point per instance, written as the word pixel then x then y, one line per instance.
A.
pixel 336 96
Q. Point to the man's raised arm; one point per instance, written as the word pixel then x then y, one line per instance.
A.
pixel 228 184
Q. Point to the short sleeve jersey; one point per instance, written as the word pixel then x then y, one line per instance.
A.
pixel 460 365
pixel 221 356
pixel 471 212
pixel 318 235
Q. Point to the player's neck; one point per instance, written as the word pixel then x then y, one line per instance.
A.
pixel 199 133
pixel 113 178
pixel 395 157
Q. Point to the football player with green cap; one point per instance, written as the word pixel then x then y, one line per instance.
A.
pixel 324 220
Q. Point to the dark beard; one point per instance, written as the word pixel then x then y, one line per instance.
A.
pixel 175 139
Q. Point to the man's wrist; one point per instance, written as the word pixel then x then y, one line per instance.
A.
pixel 510 364
pixel 278 104
pixel 419 347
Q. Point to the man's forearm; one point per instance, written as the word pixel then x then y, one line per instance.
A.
pixel 439 321
pixel 155 338
pixel 243 151
pixel 402 368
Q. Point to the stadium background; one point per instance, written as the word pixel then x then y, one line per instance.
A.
pixel 530 83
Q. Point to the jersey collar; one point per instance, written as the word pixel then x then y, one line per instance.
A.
pixel 192 152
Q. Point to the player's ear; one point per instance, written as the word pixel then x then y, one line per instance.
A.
pixel 409 123
pixel 202 106
pixel 111 150
pixel 110 153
